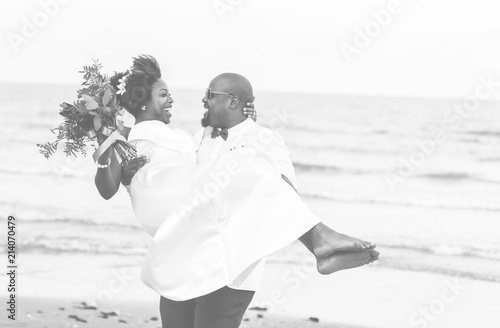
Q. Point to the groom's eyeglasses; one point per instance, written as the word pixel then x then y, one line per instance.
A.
pixel 209 94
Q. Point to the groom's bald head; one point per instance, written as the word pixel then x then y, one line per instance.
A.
pixel 227 110
pixel 235 84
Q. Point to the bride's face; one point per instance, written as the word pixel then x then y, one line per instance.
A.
pixel 159 106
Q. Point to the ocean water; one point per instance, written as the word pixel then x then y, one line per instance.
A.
pixel 346 149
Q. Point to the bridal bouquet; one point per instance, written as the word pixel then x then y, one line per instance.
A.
pixel 94 116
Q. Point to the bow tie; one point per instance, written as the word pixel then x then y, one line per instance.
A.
pixel 216 132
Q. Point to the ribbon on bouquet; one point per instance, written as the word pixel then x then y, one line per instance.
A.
pixel 114 136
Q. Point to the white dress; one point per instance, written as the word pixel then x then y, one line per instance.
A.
pixel 209 222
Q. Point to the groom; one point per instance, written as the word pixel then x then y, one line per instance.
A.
pixel 227 128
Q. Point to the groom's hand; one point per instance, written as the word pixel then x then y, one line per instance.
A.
pixel 131 168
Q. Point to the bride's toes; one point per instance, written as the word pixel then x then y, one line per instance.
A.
pixel 367 245
pixel 363 245
pixel 358 246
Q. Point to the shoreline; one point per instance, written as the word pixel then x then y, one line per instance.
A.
pixel 291 294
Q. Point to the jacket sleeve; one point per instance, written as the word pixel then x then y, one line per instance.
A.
pixel 280 152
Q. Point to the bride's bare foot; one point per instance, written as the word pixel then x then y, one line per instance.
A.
pixel 326 241
pixel 346 260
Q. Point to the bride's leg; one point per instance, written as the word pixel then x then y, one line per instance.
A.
pixel 307 243
pixel 323 241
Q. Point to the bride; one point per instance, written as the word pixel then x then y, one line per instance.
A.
pixel 210 222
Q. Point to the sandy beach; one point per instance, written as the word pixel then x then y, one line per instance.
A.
pixel 291 296
pixel 99 290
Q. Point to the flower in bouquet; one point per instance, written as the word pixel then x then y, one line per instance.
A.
pixel 94 116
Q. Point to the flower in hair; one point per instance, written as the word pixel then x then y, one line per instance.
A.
pixel 123 84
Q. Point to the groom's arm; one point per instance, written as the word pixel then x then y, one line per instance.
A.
pixel 281 154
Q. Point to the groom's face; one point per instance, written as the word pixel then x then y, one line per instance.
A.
pixel 217 107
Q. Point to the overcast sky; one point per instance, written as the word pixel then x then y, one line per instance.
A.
pixel 426 48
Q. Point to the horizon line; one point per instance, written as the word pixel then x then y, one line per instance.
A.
pixel 275 91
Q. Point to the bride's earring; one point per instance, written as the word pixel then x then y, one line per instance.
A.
pixel 143 107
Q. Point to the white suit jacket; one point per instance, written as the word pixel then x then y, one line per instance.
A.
pixel 239 137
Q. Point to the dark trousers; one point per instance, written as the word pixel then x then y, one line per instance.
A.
pixel 223 308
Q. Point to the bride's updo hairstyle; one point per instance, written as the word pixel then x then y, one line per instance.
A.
pixel 139 81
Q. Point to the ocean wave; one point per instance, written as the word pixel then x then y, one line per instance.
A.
pixel 323 168
pixel 456 176
pixel 316 167
pixel 457 206
pixel 490 159
pixel 54 170
pixel 84 222
pixel 484 133
pixel 325 148
pixel 78 245
pixel 450 176
pixel 15 140
pixel 487 253
pixel 341 130
pixel 453 260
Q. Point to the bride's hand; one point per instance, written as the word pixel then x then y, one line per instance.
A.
pixel 250 111
pixel 131 168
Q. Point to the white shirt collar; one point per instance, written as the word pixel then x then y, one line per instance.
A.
pixel 241 127
pixel 235 130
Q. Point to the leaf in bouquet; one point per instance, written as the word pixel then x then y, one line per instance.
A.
pixel 114 101
pixel 106 109
pixel 90 102
pixel 106 97
pixel 83 91
pixel 97 122
pixel 96 64
pixel 92 112
pixel 64 105
pixel 86 122
pixel 48 149
pixel 66 113
pixel 80 106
